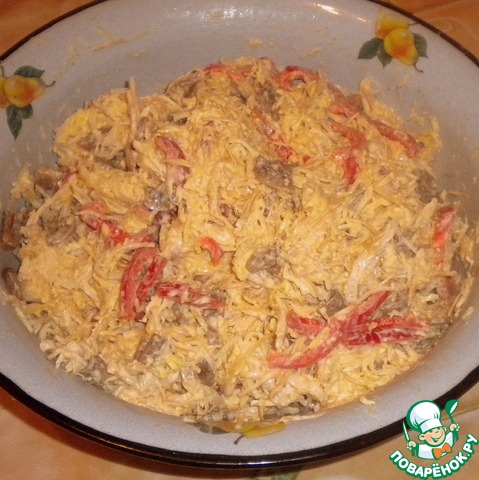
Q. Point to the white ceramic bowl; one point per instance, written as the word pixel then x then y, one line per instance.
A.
pixel 101 48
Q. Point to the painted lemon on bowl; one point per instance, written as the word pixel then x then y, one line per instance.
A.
pixel 394 40
pixel 18 92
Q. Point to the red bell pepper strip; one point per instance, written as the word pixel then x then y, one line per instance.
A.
pixel 356 139
pixel 91 215
pixel 152 275
pixel 176 175
pixel 348 159
pixel 342 105
pixel 115 234
pixel 443 230
pixel 367 308
pixel 169 147
pixel 138 280
pixel 405 139
pixel 356 329
pixel 304 325
pixel 214 249
pixel 348 155
pixel 384 330
pixel 278 360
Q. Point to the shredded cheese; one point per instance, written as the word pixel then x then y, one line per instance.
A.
pixel 200 233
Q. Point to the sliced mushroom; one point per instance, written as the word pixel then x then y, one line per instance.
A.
pixel 210 429
pixel 143 130
pixel 149 348
pixel 88 143
pixel 425 186
pixel 131 160
pixel 96 371
pixel 12 283
pixel 206 375
pixel 264 259
pixel 212 335
pixel 274 173
pixel 294 409
pixel 335 303
pixel 118 161
pixel 185 86
pixel 58 234
pixel 11 223
pixel 425 345
pixel 403 248
pixel 47 178
pixel 459 265
pixel 228 212
pixel 397 302
pixel 266 98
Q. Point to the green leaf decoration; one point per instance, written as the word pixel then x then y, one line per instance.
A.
pixel 15 117
pixel 383 56
pixel 370 48
pixel 421 45
pixel 25 112
pixel 204 428
pixel 29 71
pixel 14 120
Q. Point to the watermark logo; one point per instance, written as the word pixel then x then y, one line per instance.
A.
pixel 438 448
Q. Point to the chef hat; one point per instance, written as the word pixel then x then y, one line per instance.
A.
pixel 424 416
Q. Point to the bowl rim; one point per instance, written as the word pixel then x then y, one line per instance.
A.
pixel 400 10
pixel 219 461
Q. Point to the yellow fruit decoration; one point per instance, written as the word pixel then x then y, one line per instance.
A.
pixel 399 43
pixel 260 431
pixel 22 91
pixel 386 24
pixel 250 429
pixel 4 101
pixel 18 92
pixel 394 40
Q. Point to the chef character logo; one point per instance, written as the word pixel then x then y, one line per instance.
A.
pixel 437 445
pixel 434 439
